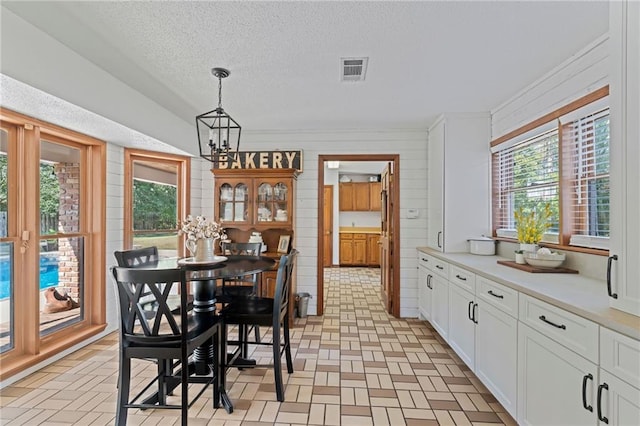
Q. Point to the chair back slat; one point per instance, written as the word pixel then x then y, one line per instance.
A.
pixel 138 288
pixel 283 282
pixel 137 257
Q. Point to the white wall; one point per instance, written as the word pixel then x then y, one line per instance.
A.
pixel 579 75
pixel 359 219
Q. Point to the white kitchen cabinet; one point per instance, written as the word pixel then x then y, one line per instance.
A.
pixel 462 326
pixel 554 383
pixel 497 354
pixel 458 185
pixel 483 335
pixel 619 385
pixel 624 261
pixel 440 305
pixel 618 403
pixel 424 293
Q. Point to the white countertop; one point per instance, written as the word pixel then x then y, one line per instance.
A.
pixel 580 295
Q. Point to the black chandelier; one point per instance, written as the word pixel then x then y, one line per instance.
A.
pixel 217 131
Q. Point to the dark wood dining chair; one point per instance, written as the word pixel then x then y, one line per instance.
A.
pixel 146 256
pixel 265 312
pixel 163 336
pixel 241 286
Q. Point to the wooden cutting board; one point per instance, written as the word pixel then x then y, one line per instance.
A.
pixel 537 269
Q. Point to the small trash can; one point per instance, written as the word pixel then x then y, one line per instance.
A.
pixel 303 304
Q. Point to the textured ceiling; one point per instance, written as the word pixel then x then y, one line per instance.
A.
pixel 425 57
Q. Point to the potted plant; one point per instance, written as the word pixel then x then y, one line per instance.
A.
pixel 520 257
pixel 531 226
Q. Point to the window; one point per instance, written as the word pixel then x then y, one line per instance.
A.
pixel 526 176
pixel 156 200
pixel 561 160
pixel 587 180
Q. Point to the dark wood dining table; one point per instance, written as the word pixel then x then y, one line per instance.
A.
pixel 204 277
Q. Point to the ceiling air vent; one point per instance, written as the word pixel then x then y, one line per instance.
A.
pixel 353 69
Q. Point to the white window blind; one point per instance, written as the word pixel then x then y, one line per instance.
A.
pixel 526 174
pixel 586 149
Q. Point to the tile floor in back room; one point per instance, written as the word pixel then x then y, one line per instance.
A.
pixel 356 365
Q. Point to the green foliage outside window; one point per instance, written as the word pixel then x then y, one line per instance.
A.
pixel 154 206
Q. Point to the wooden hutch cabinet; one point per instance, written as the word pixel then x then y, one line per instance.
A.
pixel 261 200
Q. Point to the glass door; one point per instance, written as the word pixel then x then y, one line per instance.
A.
pixel 8 238
pixel 52 215
pixel 61 240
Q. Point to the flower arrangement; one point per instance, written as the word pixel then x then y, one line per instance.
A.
pixel 532 225
pixel 199 227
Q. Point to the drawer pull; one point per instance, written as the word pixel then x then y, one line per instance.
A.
pixel 609 261
pixel 584 392
pixel 499 296
pixel 461 278
pixel 561 326
pixel 426 260
pixel 439 267
pixel 600 416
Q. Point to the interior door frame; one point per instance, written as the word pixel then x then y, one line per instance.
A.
pixel 330 189
pixel 395 240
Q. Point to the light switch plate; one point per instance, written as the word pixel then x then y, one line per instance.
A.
pixel 413 213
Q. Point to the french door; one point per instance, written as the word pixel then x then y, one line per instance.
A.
pixel 51 239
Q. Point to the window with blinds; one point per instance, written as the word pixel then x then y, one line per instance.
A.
pixel 526 175
pixel 565 164
pixel 586 148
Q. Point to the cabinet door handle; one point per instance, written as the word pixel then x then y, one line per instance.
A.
pixel 600 416
pixel 561 326
pixel 499 296
pixel 584 392
pixel 474 318
pixel 439 267
pixel 429 281
pixel 439 235
pixel 609 262
pixel 469 309
pixel 461 278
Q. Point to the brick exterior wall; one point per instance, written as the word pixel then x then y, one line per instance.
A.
pixel 70 249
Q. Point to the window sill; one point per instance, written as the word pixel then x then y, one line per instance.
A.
pixel 597 252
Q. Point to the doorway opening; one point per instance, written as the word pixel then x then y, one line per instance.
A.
pixel 389 255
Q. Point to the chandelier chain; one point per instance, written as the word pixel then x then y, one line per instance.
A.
pixel 219 92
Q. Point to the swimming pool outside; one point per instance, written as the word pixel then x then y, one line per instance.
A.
pixel 48 272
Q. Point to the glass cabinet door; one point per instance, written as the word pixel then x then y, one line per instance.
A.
pixel 281 202
pixel 234 203
pixel 273 202
pixel 265 200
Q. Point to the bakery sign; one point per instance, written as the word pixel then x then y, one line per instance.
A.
pixel 260 160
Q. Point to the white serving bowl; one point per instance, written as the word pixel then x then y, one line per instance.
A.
pixel 552 260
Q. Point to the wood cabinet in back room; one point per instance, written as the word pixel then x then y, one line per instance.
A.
pixel 359 196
